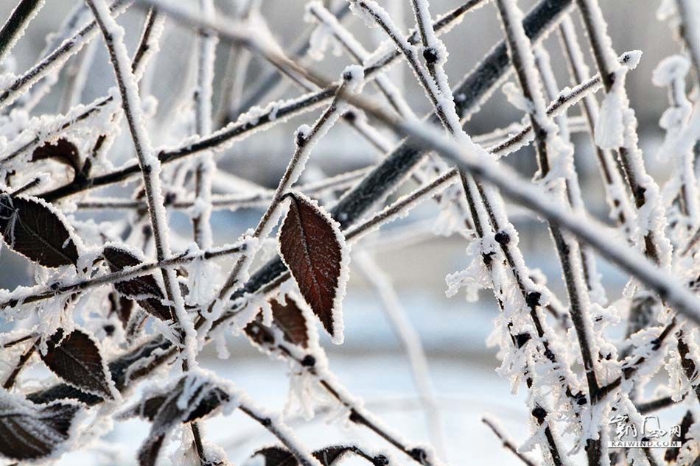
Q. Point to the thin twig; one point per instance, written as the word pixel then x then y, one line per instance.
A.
pixel 16 24
pixel 507 443
pixel 148 162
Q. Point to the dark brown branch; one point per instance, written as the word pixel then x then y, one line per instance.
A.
pixel 15 25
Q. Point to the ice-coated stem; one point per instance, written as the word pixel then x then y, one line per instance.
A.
pixel 148 162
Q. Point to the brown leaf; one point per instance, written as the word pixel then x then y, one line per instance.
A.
pixel 290 319
pixel 166 412
pixel 31 432
pixel 145 290
pixel 149 407
pixel 34 229
pixel 313 248
pixel 76 359
pixel 278 456
pixel 62 151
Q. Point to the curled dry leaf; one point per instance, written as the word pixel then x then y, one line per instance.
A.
pixel 191 398
pixel 30 431
pixel 62 151
pixel 314 250
pixel 289 318
pixel 76 359
pixel 329 456
pixel 145 290
pixel 34 229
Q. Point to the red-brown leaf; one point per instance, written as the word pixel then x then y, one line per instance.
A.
pixel 290 319
pixel 76 359
pixel 313 248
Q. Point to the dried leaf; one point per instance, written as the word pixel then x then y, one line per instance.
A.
pixel 313 248
pixel 278 456
pixel 31 432
pixel 34 229
pixel 76 359
pixel 190 399
pixel 329 455
pixel 145 290
pixel 149 407
pixel 290 319
pixel 62 151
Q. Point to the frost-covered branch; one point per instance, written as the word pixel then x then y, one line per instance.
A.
pixel 16 24
pixel 507 443
pixel 57 58
pixel 34 295
pixel 148 162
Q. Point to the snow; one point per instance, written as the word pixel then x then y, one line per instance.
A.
pixel 610 128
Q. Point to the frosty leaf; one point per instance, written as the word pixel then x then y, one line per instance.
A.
pixel 329 455
pixel 76 359
pixel 34 229
pixel 63 151
pixel 313 248
pixel 190 399
pixel 291 321
pixel 275 456
pixel 278 456
pixel 144 289
pixel 149 407
pixel 289 318
pixel 31 432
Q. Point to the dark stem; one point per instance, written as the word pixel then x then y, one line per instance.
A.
pixel 14 27
pixel 507 443
pixel 18 368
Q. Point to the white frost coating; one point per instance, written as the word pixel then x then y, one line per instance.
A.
pixel 610 127
pixel 316 10
pixel 202 280
pixel 47 72
pixel 363 14
pixel 353 75
pixel 474 278
pixel 322 35
pixel 670 69
pixel 34 419
pixel 535 198
pixel 516 97
pixel 303 132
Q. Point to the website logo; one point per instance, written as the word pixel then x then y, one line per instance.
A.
pixel 649 435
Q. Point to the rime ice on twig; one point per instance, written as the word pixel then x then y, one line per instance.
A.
pixel 148 162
